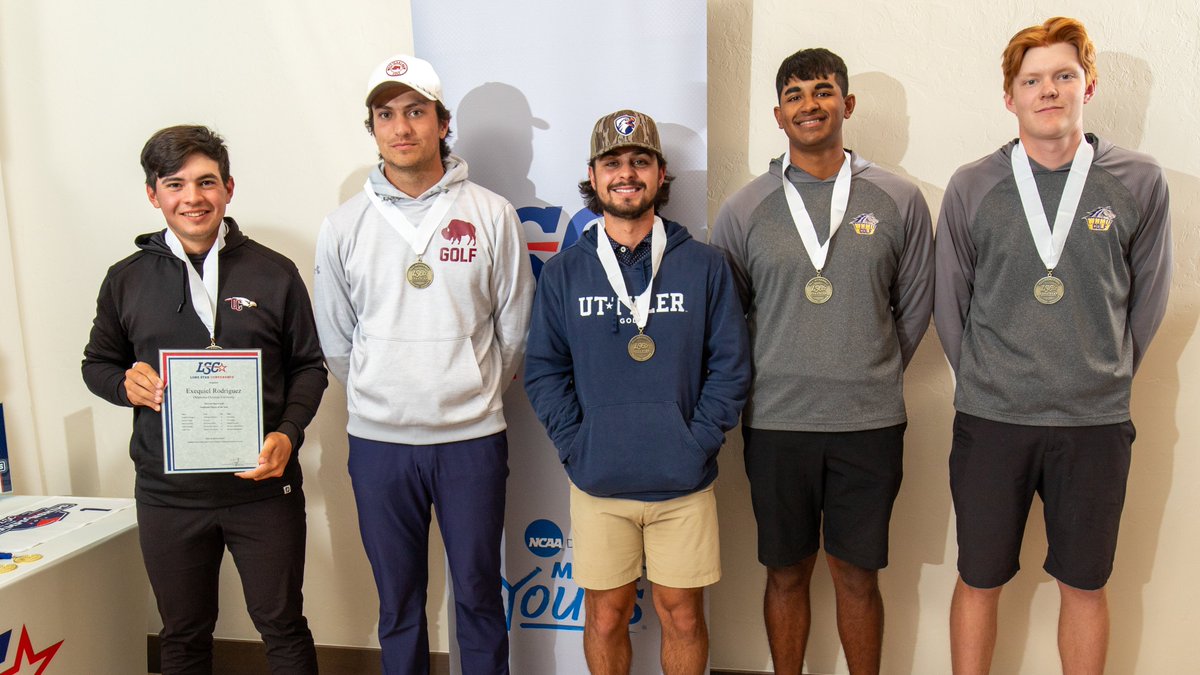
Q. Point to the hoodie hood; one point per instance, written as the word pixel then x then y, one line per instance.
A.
pixel 676 235
pixel 455 172
pixel 156 244
pixel 857 166
pixel 1101 146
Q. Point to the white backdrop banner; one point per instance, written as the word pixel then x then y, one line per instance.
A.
pixel 525 84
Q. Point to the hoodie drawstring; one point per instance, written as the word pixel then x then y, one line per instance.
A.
pixel 184 293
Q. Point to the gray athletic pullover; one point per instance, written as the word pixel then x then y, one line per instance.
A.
pixel 837 366
pixel 1070 363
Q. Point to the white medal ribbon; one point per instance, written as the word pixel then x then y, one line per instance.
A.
pixel 1050 244
pixel 817 252
pixel 417 236
pixel 203 290
pixel 639 307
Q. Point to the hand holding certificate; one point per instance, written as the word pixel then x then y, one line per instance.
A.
pixel 276 451
pixel 212 410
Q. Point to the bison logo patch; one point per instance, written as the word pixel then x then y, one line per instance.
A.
pixel 457 230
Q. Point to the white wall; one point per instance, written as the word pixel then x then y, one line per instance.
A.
pixel 83 84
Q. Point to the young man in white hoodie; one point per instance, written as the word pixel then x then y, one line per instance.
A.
pixel 423 291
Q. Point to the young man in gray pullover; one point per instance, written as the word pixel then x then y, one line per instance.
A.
pixel 833 322
pixel 423 291
pixel 1053 267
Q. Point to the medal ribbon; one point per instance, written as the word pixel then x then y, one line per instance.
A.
pixel 640 306
pixel 417 236
pixel 1050 245
pixel 203 291
pixel 817 253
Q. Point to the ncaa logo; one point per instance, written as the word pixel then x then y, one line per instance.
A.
pixel 625 124
pixel 396 68
pixel 543 538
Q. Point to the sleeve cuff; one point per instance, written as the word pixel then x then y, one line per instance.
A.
pixel 293 432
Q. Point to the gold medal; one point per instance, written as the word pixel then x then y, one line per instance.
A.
pixel 641 347
pixel 1048 290
pixel 5 569
pixel 419 274
pixel 818 290
pixel 32 557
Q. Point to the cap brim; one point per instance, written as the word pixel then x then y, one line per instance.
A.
pixel 644 146
pixel 392 90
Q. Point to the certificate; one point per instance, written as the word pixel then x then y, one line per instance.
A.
pixel 211 410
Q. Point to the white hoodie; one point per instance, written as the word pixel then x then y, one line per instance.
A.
pixel 424 365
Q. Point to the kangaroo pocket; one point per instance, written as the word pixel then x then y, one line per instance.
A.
pixel 627 448
pixel 415 382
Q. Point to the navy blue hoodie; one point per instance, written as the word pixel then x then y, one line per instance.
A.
pixel 648 431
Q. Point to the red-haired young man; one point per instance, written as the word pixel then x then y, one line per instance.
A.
pixel 1053 259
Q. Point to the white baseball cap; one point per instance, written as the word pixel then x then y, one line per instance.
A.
pixel 417 74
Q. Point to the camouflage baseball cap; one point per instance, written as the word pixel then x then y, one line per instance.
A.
pixel 624 128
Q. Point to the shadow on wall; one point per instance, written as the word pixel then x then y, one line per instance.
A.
pixel 879 131
pixel 1118 113
pixel 344 564
pixel 736 631
pixel 79 429
pixel 495 136
pixel 687 159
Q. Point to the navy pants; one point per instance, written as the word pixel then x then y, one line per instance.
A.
pixel 182 549
pixel 394 487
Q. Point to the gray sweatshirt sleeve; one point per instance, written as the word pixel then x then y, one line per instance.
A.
pixel 912 290
pixel 954 273
pixel 728 235
pixel 1150 266
pixel 512 293
pixel 333 308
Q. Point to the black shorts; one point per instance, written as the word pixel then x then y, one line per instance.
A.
pixel 1080 474
pixel 850 477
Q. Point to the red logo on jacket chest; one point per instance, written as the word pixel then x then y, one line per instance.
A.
pixel 456 232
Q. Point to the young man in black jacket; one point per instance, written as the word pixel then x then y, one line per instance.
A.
pixel 164 297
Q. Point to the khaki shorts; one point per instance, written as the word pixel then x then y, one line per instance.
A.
pixel 678 537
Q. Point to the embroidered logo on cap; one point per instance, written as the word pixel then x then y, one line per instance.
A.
pixel 625 124
pixel 1101 219
pixel 865 223
pixel 238 303
pixel 396 68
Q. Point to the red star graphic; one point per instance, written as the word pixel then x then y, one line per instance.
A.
pixel 25 649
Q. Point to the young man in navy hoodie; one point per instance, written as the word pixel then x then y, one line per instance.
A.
pixel 637 365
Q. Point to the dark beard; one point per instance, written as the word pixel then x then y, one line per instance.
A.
pixel 631 212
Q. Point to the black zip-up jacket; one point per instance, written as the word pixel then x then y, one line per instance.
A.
pixel 145 305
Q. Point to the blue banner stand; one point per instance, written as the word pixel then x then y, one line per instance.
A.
pixel 5 475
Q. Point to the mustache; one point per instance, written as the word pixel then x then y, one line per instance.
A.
pixel 633 184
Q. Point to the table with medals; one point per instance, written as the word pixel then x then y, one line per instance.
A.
pixel 73 589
